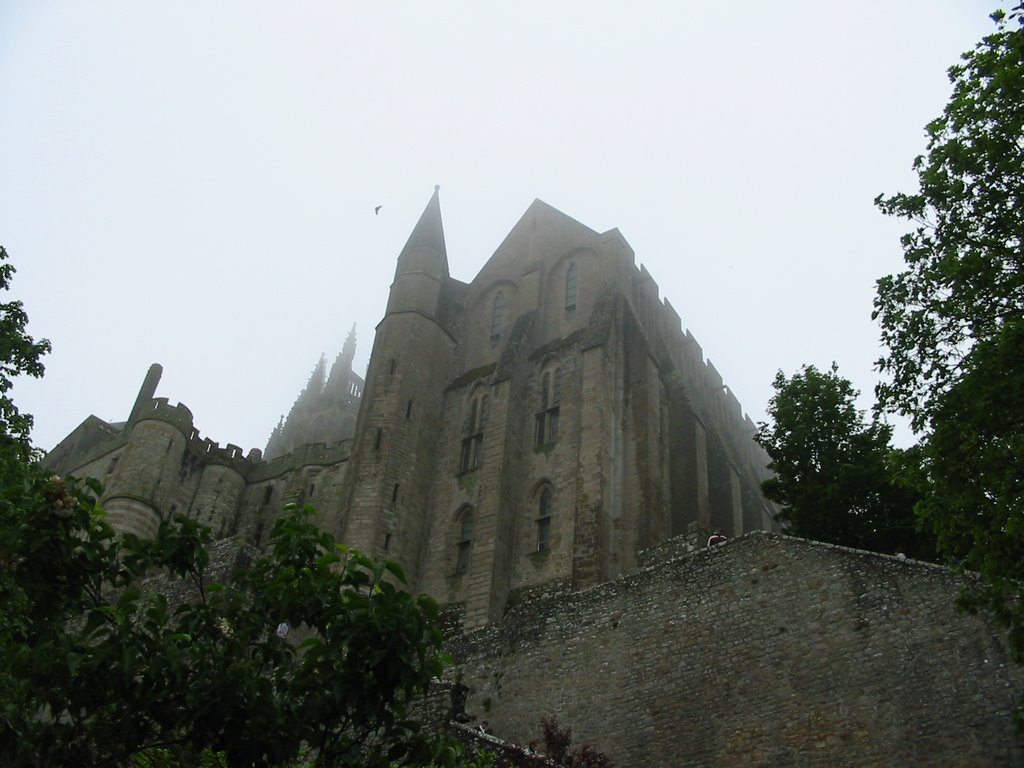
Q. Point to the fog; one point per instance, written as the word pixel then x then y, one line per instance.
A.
pixel 195 183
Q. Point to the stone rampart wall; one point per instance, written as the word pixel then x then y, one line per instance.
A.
pixel 765 651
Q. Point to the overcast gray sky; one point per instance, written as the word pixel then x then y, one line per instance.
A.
pixel 194 183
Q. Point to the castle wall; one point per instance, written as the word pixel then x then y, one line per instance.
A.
pixel 311 474
pixel 765 651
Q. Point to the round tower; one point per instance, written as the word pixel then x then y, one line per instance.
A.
pixel 220 487
pixel 148 468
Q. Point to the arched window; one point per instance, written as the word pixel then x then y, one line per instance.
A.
pixel 544 521
pixel 550 400
pixel 462 545
pixel 570 291
pixel 472 455
pixel 497 318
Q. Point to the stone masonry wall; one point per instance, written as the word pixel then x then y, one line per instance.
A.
pixel 766 651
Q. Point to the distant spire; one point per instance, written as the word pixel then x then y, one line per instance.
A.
pixel 341 370
pixel 274 447
pixel 425 250
pixel 316 381
pixel 349 350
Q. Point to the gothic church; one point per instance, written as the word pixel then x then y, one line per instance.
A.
pixel 546 422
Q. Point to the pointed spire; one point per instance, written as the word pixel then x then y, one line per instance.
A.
pixel 425 250
pixel 349 350
pixel 341 370
pixel 316 382
pixel 274 447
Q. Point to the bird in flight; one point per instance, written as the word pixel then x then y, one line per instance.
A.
pixel 376 210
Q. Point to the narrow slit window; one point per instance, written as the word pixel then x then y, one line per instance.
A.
pixel 497 318
pixel 462 546
pixel 570 291
pixel 544 521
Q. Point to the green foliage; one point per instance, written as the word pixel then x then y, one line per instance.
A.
pixel 953 322
pixel 836 476
pixel 98 669
pixel 964 256
pixel 973 459
pixel 20 355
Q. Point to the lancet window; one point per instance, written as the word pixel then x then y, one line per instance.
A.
pixel 464 542
pixel 570 291
pixel 497 318
pixel 550 401
pixel 472 454
pixel 544 521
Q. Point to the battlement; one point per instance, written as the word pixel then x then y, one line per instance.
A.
pixel 711 397
pixel 310 454
pixel 211 453
pixel 160 409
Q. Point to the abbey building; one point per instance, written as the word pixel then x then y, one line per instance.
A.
pixel 544 449
pixel 548 421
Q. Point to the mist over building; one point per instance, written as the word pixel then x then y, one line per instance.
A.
pixel 544 449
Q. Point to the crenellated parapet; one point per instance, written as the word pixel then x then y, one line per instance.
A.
pixel 160 409
pixel 310 454
pixel 209 452
pixel 719 442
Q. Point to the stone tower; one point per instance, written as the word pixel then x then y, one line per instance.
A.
pixel 547 421
pixel 394 454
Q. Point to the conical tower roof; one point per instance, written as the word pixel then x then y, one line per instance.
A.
pixel 425 250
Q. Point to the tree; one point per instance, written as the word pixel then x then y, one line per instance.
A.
pixel 953 323
pixel 106 669
pixel 20 355
pixel 835 476
pixel 964 277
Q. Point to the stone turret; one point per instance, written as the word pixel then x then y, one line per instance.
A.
pixel 395 450
pixel 147 469
pixel 422 266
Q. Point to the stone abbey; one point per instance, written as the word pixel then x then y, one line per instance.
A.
pixel 547 421
pixel 543 449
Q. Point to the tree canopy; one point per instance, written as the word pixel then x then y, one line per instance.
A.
pixel 964 279
pixel 953 322
pixel 99 667
pixel 835 474
pixel 20 355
